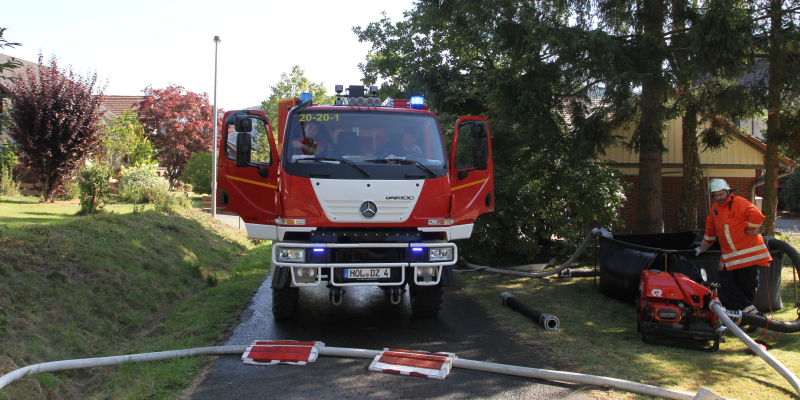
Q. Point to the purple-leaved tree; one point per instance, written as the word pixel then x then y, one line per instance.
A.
pixel 55 117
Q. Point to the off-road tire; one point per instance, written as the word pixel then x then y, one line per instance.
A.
pixel 285 303
pixel 426 301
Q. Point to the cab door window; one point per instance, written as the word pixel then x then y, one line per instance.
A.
pixel 465 148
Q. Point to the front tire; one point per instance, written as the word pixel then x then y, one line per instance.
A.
pixel 285 303
pixel 426 301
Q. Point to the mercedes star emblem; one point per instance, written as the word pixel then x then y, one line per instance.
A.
pixel 368 209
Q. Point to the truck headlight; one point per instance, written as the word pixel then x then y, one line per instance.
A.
pixel 425 271
pixel 292 255
pixel 440 254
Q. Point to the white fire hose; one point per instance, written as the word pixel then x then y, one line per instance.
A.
pixel 772 361
pixel 593 234
pixel 571 377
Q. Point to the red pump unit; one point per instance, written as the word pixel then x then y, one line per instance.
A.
pixel 674 306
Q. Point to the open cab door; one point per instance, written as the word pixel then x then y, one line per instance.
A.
pixel 247 176
pixel 471 176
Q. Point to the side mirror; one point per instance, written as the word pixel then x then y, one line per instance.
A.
pixel 242 123
pixel 244 144
pixel 478 131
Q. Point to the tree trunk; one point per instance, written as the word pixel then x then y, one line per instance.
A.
pixel 46 181
pixel 649 215
pixel 691 185
pixel 770 202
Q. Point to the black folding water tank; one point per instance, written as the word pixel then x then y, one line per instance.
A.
pixel 623 258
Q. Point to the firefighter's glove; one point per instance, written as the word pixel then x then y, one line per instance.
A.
pixel 698 250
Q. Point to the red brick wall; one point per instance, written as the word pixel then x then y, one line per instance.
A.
pixel 670 200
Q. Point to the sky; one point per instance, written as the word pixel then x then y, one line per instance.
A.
pixel 135 44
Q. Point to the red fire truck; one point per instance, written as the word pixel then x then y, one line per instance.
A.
pixel 359 193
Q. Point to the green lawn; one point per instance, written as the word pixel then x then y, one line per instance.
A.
pixel 117 283
pixel 21 210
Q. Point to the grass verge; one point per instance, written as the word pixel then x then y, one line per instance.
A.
pixel 598 336
pixel 78 287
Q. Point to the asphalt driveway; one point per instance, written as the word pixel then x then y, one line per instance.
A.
pixel 367 320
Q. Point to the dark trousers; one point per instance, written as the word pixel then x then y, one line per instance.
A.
pixel 739 286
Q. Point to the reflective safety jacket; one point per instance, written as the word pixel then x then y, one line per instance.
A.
pixel 731 222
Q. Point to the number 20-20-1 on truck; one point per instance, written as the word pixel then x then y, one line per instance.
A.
pixel 359 193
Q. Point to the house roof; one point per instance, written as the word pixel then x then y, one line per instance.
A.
pixel 16 72
pixel 118 104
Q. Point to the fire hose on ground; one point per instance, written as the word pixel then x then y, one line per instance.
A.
pixel 774 363
pixel 546 321
pixel 526 372
pixel 594 233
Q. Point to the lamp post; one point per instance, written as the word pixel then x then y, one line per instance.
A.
pixel 214 141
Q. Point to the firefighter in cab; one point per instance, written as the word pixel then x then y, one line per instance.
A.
pixel 737 225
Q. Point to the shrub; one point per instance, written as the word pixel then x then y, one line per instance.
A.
pixel 163 202
pixel 93 184
pixel 198 173
pixel 71 188
pixel 141 185
pixel 9 157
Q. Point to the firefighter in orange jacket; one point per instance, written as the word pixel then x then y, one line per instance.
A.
pixel 737 224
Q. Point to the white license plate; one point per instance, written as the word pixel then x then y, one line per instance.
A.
pixel 366 273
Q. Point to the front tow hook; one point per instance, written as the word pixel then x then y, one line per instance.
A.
pixel 336 294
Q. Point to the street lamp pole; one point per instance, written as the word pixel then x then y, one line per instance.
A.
pixel 214 146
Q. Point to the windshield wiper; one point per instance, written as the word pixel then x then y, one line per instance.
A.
pixel 401 161
pixel 341 160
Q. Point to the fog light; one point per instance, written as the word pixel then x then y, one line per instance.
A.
pixel 425 271
pixel 440 254
pixel 292 255
pixel 306 272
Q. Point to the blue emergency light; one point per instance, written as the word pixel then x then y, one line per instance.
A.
pixel 416 249
pixel 417 102
pixel 305 96
pixel 318 250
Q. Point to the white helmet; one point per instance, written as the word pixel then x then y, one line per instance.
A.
pixel 717 185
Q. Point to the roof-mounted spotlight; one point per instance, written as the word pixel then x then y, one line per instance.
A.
pixel 373 90
pixel 356 90
pixel 338 89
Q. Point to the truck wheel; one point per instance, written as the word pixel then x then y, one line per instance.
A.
pixel 285 303
pixel 426 301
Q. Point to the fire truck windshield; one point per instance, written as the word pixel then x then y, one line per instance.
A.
pixel 372 140
pixel 360 136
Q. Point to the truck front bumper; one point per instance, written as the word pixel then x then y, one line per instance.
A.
pixel 334 259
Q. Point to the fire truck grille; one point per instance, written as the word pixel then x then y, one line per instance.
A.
pixel 357 211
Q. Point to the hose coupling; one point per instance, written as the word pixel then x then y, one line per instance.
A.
pixel 505 296
pixel 735 316
pixel 550 322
